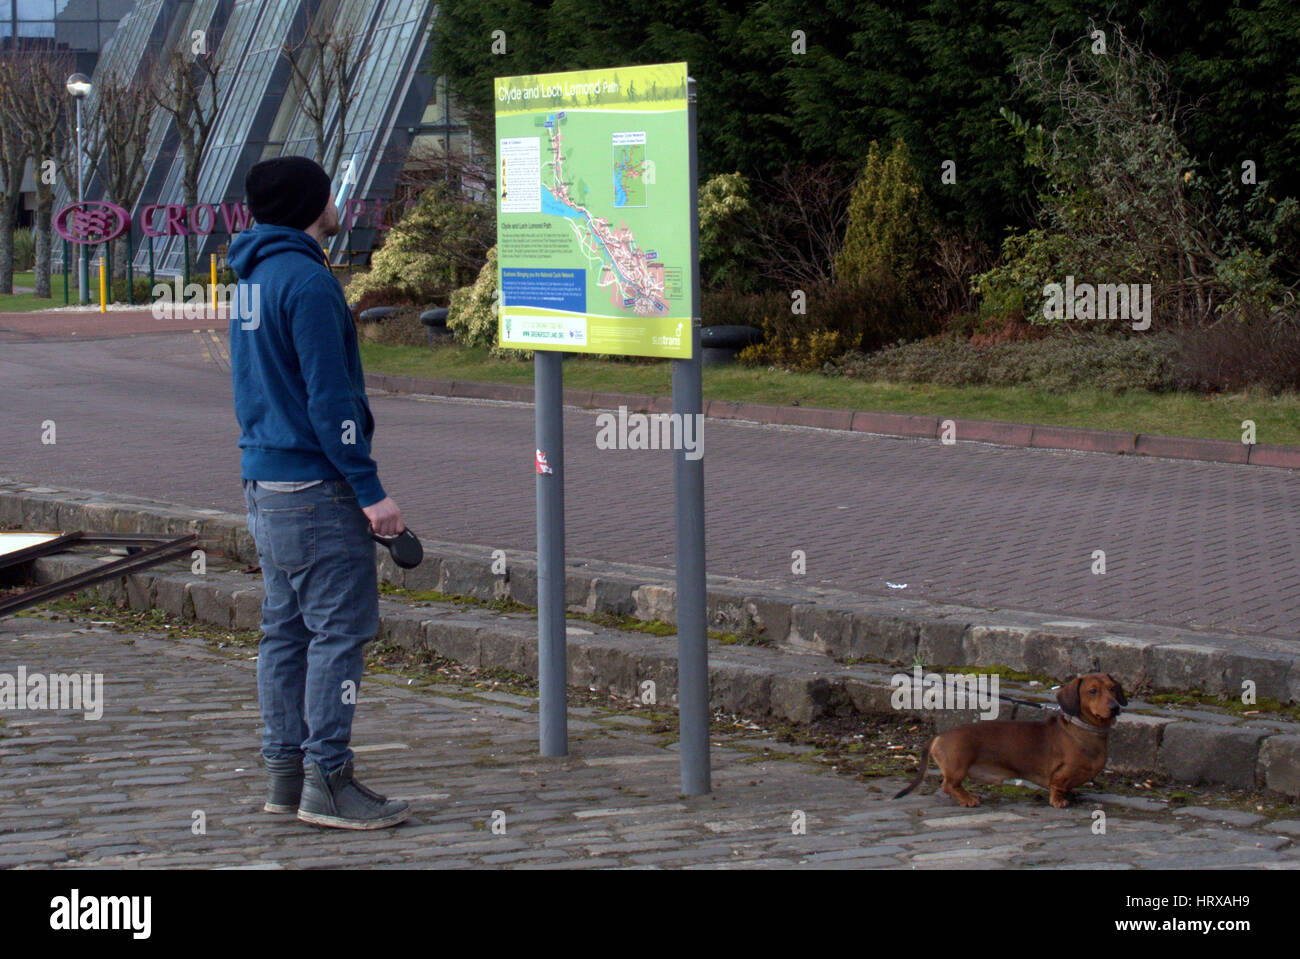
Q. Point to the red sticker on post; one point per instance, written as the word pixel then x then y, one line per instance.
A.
pixel 542 466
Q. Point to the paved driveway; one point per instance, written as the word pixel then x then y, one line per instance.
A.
pixel 1186 543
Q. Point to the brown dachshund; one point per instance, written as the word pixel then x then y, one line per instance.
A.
pixel 1059 753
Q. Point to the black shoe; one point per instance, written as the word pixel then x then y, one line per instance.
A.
pixel 336 799
pixel 286 784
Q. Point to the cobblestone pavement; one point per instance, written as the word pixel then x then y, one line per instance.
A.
pixel 1187 543
pixel 178 737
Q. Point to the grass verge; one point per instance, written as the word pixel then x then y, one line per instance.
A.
pixel 27 302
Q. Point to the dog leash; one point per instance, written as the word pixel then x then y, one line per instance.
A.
pixel 1026 702
pixel 1074 720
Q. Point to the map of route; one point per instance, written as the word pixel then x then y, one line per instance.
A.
pixel 633 276
pixel 629 175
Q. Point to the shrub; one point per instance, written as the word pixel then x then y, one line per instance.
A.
pixel 728 304
pixel 1260 349
pixel 24 250
pixel 725 245
pixel 803 353
pixel 1064 361
pixel 890 228
pixel 438 246
pixel 862 315
pixel 946 284
pixel 798 222
pixel 140 287
pixel 1123 202
pixel 472 314
pixel 402 328
pixel 379 296
pixel 1006 331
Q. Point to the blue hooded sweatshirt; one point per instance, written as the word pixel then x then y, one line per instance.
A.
pixel 300 394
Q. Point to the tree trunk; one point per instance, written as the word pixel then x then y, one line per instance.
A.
pixel 44 210
pixel 190 188
pixel 117 261
pixel 7 216
pixel 119 258
pixel 342 130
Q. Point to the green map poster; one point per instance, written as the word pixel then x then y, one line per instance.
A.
pixel 594 211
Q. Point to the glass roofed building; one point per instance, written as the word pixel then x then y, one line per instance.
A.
pixel 82 27
pixel 260 99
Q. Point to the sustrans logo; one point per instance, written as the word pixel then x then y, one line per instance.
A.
pixel 74 912
pixel 674 340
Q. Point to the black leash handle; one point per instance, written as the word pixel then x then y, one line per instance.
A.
pixel 405 548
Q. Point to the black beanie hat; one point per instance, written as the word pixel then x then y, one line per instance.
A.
pixel 287 191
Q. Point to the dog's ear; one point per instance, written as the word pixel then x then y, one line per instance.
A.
pixel 1068 697
pixel 1119 691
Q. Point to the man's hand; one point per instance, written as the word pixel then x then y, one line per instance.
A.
pixel 385 518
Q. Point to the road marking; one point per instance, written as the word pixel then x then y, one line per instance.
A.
pixel 214 350
pixel 223 357
pixel 203 345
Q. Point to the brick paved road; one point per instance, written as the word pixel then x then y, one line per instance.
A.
pixel 179 735
pixel 1186 543
pixel 86 322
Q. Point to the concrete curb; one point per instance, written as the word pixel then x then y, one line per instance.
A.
pixel 838 624
pixel 885 424
pixel 1192 746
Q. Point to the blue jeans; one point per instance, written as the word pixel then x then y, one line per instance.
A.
pixel 321 608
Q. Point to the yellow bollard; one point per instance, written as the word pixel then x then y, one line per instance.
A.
pixel 214 285
pixel 103 285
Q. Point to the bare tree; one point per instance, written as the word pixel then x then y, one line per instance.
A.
pixel 1120 195
pixel 12 160
pixel 38 102
pixel 803 216
pixel 424 165
pixel 324 64
pixel 118 139
pixel 183 82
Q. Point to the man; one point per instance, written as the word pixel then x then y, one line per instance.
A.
pixel 313 495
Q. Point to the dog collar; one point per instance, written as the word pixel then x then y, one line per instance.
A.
pixel 1097 730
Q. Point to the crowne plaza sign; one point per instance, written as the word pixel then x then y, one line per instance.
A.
pixel 92 222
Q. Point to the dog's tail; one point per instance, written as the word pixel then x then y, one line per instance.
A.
pixel 920 773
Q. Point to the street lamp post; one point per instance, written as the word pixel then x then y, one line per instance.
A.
pixel 79 86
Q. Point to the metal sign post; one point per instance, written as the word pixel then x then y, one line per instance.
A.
pixel 552 626
pixel 688 484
